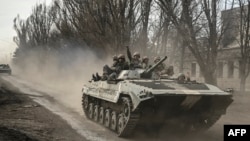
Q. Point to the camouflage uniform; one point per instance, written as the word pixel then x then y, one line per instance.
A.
pixel 109 70
pixel 159 70
pixel 144 63
pixel 170 71
pixel 122 64
pixel 115 61
pixel 135 61
pixel 117 68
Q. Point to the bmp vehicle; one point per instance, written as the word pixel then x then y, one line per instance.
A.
pixel 135 99
pixel 5 68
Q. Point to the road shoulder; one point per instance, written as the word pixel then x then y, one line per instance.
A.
pixel 22 119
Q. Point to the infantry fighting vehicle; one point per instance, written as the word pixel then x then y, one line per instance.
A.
pixel 5 68
pixel 135 99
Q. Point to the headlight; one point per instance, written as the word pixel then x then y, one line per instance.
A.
pixel 149 94
pixel 145 94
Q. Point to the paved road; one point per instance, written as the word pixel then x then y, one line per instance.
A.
pixel 68 106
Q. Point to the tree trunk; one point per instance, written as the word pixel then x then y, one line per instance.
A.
pixel 243 75
pixel 183 48
pixel 145 19
pixel 210 78
pixel 243 84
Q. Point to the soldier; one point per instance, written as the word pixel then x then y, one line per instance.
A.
pixel 144 63
pixel 115 60
pixel 170 71
pixel 122 64
pixel 181 78
pixel 106 70
pixel 135 61
pixel 161 69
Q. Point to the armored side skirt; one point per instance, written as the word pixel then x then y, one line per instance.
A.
pixel 189 111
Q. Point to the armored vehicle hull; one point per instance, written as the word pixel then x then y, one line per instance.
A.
pixel 123 104
pixel 5 68
pixel 138 98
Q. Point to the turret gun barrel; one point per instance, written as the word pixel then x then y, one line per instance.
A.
pixel 147 72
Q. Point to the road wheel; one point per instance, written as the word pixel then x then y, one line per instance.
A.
pixel 121 123
pixel 96 113
pixel 113 121
pixel 91 110
pixel 101 115
pixel 126 107
pixel 85 104
pixel 107 118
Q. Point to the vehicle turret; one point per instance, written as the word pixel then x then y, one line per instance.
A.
pixel 139 73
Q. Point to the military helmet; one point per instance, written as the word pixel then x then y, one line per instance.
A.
pixel 136 54
pixel 115 57
pixel 121 56
pixel 145 58
pixel 157 58
pixel 181 77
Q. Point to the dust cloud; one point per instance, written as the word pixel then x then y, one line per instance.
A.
pixel 61 75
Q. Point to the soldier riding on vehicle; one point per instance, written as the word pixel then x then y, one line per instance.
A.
pixel 135 61
pixel 120 65
pixel 160 69
pixel 145 62
pixel 106 70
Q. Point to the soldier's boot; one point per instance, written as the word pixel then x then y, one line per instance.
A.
pixel 93 77
pixel 104 76
pixel 112 76
pixel 98 77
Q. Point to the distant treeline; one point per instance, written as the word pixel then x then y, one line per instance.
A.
pixel 106 25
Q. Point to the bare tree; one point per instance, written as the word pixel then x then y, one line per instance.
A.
pixel 107 24
pixel 21 28
pixel 40 22
pixel 143 35
pixel 197 22
pixel 33 34
pixel 244 31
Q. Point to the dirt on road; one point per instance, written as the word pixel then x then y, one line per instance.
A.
pixel 22 119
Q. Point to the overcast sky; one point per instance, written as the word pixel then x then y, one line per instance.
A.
pixel 9 9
